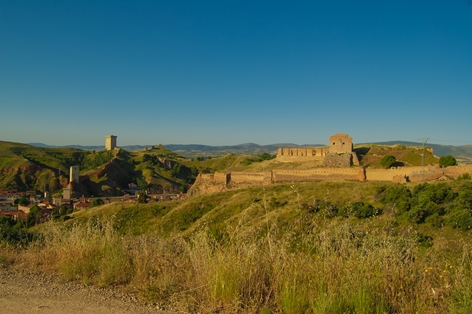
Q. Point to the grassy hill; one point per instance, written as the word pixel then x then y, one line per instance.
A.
pixel 104 173
pixel 28 167
pixel 156 169
pixel 371 155
pixel 319 247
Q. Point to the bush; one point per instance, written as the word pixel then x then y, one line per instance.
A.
pixel 12 233
pixel 464 176
pixel 97 202
pixel 399 195
pixel 418 214
pixel 387 161
pixel 446 161
pixel 435 220
pixel 362 210
pixel 460 218
pixel 328 209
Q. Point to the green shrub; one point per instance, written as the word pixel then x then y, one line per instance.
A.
pixel 448 160
pixel 397 194
pixel 327 209
pixel 387 161
pixel 97 202
pixel 464 176
pixel 460 218
pixel 363 210
pixel 435 220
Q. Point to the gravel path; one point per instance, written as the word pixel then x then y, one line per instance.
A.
pixel 26 293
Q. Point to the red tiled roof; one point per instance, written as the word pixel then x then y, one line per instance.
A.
pixel 82 205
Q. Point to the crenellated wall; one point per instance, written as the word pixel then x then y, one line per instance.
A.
pixel 251 177
pixel 338 144
pixel 287 154
pixel 316 174
pixel 398 175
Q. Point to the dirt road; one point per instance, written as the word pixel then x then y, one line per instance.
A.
pixel 26 293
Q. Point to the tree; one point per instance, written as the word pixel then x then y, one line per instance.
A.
pixel 446 161
pixel 23 201
pixel 97 202
pixel 387 161
pixel 34 216
pixel 141 182
pixel 142 197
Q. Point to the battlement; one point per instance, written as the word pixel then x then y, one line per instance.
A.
pixel 338 144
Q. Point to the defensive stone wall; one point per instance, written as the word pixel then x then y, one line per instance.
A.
pixel 338 144
pixel 455 171
pixel 221 177
pixel 388 174
pixel 251 177
pixel 280 175
pixel 290 154
pixel 220 181
pixel 430 175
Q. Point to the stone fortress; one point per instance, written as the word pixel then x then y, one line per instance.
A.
pixel 339 153
pixel 338 161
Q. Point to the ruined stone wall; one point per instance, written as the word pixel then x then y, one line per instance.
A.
pixel 221 177
pixel 205 177
pixel 389 174
pixel 220 181
pixel 280 175
pixel 290 154
pixel 428 175
pixel 455 171
pixel 334 160
pixel 251 177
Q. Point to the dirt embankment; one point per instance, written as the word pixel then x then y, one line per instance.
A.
pixel 26 293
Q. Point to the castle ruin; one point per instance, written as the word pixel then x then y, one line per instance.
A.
pixel 339 153
pixel 336 162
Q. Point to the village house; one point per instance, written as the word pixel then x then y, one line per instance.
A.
pixel 83 203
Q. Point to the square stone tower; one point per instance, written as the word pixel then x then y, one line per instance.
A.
pixel 74 174
pixel 340 143
pixel 110 142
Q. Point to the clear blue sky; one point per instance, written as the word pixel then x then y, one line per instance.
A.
pixel 231 72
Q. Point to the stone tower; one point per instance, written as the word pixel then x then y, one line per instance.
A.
pixel 74 174
pixel 110 142
pixel 340 143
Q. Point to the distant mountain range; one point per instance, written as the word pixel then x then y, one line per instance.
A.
pixel 462 153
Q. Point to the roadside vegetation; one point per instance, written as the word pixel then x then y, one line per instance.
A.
pixel 320 247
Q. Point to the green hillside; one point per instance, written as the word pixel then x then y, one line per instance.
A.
pixel 319 247
pixel 104 173
pixel 155 169
pixel 371 155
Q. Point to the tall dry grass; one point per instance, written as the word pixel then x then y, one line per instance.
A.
pixel 332 268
